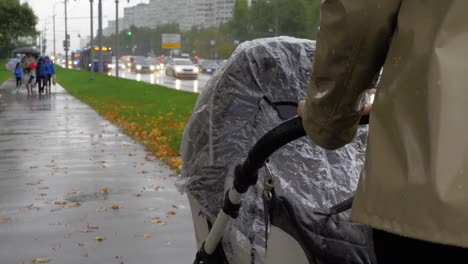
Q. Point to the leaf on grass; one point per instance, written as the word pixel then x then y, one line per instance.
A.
pixel 40 260
pixel 146 235
pixel 116 206
pixel 171 213
pixel 99 238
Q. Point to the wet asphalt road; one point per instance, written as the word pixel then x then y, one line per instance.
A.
pixel 62 167
pixel 161 78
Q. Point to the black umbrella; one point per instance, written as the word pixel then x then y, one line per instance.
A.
pixel 26 50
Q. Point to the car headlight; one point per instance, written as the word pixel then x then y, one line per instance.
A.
pixel 110 66
pixel 89 65
pixel 123 66
pixel 158 67
pixel 152 67
pixel 195 70
pixel 178 69
pixel 138 67
pixel 75 63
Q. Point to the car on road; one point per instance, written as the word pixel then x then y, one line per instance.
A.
pixel 122 64
pixel 145 65
pixel 182 68
pixel 208 66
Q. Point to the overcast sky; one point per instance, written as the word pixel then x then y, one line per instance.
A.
pixel 78 22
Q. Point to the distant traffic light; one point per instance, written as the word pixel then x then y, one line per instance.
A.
pixel 129 33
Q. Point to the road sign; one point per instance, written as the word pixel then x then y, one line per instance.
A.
pixel 171 41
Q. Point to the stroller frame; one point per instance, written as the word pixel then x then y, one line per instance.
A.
pixel 245 176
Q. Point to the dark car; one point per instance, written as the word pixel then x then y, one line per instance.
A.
pixel 208 66
pixel 145 65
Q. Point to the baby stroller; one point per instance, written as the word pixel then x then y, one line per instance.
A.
pixel 296 196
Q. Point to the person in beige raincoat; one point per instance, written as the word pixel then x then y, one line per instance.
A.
pixel 414 187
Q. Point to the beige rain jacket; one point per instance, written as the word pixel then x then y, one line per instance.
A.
pixel 415 182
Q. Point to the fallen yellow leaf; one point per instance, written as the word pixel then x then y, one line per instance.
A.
pixel 40 260
pixel 105 190
pixel 99 238
pixel 101 209
pixel 62 202
pixel 146 235
pixel 77 204
pixel 115 206
pixel 159 222
pixel 171 213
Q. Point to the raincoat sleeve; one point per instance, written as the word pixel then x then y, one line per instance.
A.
pixel 352 44
pixel 51 68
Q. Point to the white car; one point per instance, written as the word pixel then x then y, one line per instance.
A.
pixel 180 68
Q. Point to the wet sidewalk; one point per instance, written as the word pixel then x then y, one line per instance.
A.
pixel 63 169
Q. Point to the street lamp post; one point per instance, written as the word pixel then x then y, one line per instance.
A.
pixel 91 52
pixel 55 14
pixel 55 54
pixel 100 36
pixel 116 39
pixel 66 38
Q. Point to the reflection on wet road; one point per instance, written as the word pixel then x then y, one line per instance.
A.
pixel 162 79
pixel 57 156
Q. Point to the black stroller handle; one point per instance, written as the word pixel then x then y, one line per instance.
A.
pixel 246 173
pixel 292 129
